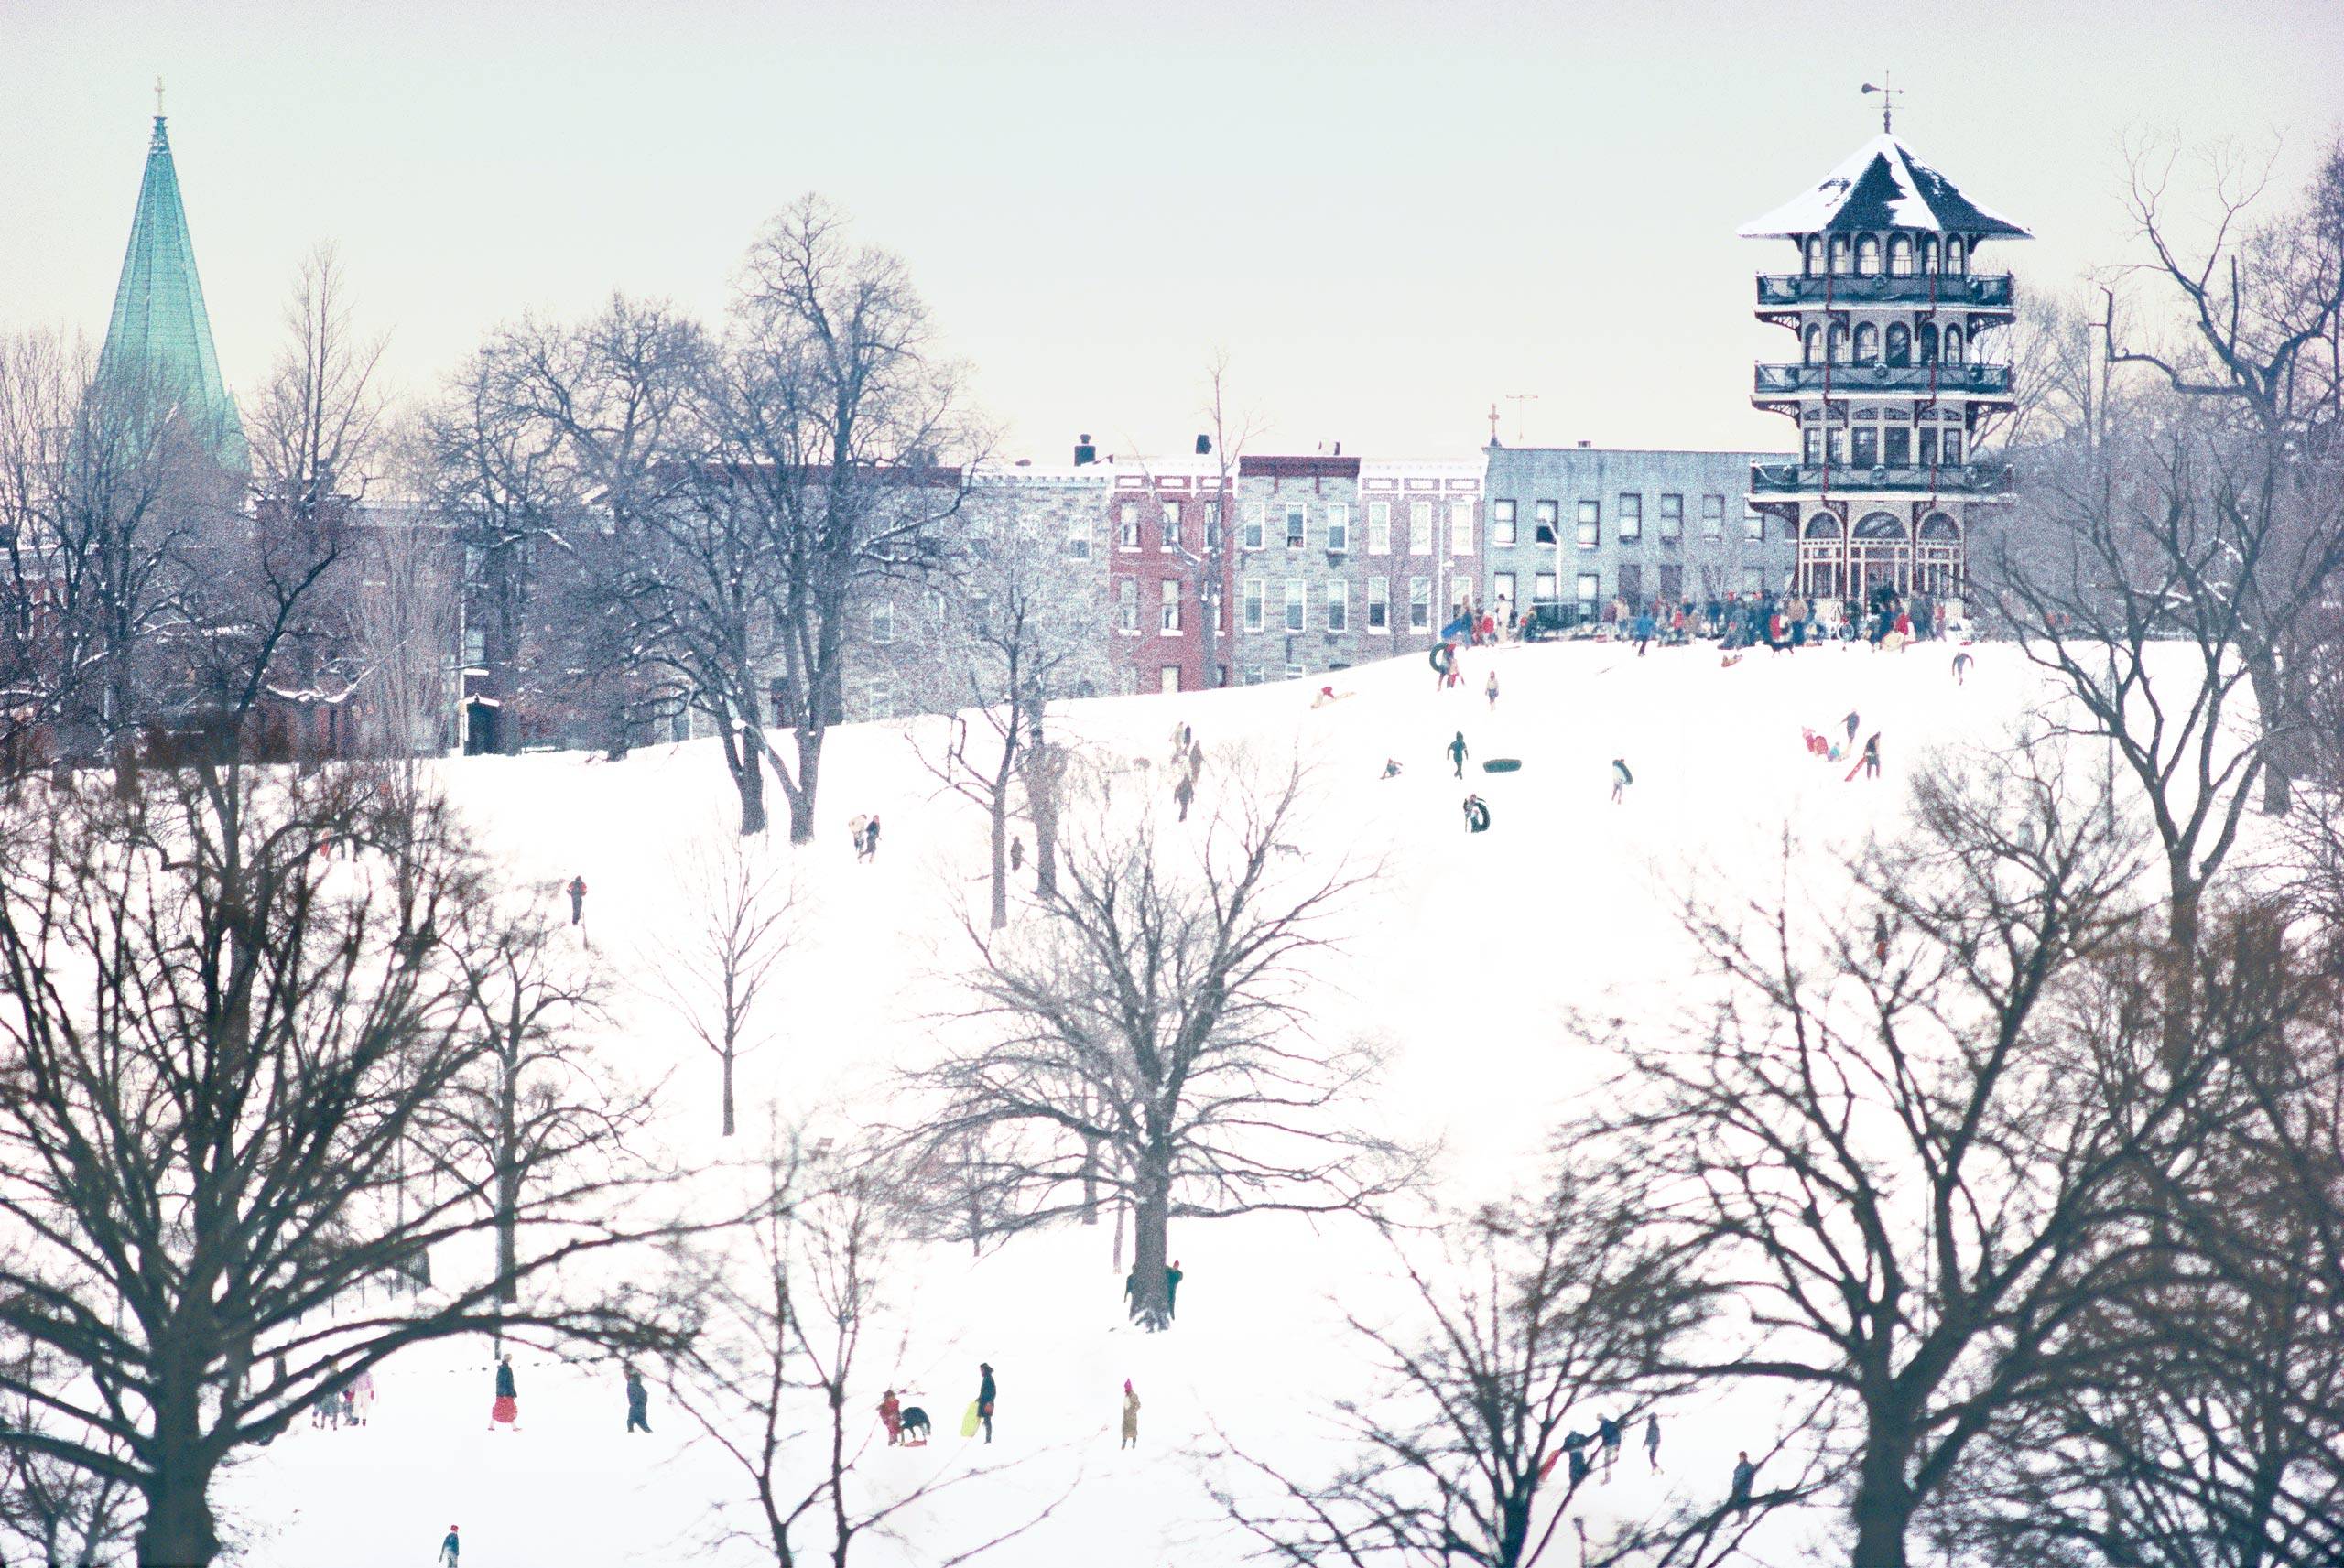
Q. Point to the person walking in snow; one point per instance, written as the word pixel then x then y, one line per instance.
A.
pixel 1172 1278
pixel 1620 779
pixel 871 838
pixel 1457 754
pixel 361 1391
pixel 1745 1476
pixel 1853 721
pixel 1391 768
pixel 1130 1416
pixel 1131 1293
pixel 1183 793
pixel 1869 762
pixel 638 1403
pixel 1441 656
pixel 1477 815
pixel 1961 663
pixel 1016 854
pixel 1492 691
pixel 890 1416
pixel 577 891
pixel 985 1392
pixel 1643 632
pixel 1652 1443
pixel 855 828
pixel 450 1547
pixel 506 1410
pixel 1608 1431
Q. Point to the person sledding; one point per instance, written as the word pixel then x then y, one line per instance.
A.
pixel 1620 779
pixel 1867 764
pixel 1477 815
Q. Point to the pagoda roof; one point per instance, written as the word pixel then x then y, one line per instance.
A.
pixel 1882 186
pixel 159 328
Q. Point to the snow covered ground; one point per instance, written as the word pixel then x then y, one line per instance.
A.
pixel 1461 961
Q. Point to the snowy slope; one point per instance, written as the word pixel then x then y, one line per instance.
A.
pixel 1461 962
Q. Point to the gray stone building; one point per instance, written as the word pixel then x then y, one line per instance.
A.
pixel 1577 527
pixel 1339 561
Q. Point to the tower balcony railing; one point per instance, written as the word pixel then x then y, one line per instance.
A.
pixel 1985 380
pixel 1963 290
pixel 1809 478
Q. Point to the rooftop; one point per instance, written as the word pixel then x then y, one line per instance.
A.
pixel 1881 186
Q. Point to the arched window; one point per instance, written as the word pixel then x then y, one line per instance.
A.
pixel 1868 257
pixel 1839 253
pixel 1953 345
pixel 1878 525
pixel 1928 343
pixel 1813 352
pixel 1838 344
pixel 1867 344
pixel 1954 260
pixel 1928 257
pixel 1814 256
pixel 1937 528
pixel 1900 257
pixel 1900 344
pixel 1823 525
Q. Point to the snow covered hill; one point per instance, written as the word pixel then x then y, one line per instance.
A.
pixel 1461 962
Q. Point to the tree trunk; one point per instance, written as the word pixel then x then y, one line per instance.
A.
pixel 1884 1507
pixel 1089 1181
pixel 2280 764
pixel 178 1531
pixel 1150 1296
pixel 725 1058
pixel 1042 790
pixel 1000 814
pixel 809 773
pixel 508 1187
pixel 749 778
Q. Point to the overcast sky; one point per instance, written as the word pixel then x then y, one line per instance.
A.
pixel 1390 214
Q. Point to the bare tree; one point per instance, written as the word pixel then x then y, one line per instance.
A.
pixel 719 970
pixel 1150 1036
pixel 1536 1313
pixel 1923 1173
pixel 781 1381
pixel 1233 429
pixel 317 423
pixel 1016 631
pixel 214 1046
pixel 54 1513
pixel 538 1100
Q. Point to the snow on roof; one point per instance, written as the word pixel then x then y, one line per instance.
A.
pixel 1881 186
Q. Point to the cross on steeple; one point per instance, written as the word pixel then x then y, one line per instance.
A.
pixel 159 98
pixel 1888 96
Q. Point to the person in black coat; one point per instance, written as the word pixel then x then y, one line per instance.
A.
pixel 985 1397
pixel 638 1403
pixel 1745 1476
pixel 1172 1278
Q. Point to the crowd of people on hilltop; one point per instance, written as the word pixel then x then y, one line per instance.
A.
pixel 1884 618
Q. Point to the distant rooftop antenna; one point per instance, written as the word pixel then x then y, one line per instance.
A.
pixel 1518 399
pixel 1888 96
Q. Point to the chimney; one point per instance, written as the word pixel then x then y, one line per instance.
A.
pixel 1084 452
pixel 1338 449
pixel 1204 445
pixel 1584 445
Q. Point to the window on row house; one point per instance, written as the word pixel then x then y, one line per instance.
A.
pixel 1632 584
pixel 1501 587
pixel 1212 524
pixel 1420 604
pixel 1631 517
pixel 1713 517
pixel 1298 594
pixel 1672 519
pixel 1127 525
pixel 1077 539
pixel 1126 604
pixel 1379 527
pixel 1753 525
pixel 1502 525
pixel 1339 605
pixel 883 621
pixel 1379 604
pixel 1169 611
pixel 1547 516
pixel 1542 589
pixel 1590 589
pixel 1339 527
pixel 1252 605
pixel 1170 523
pixel 1298 524
pixel 1420 527
pixel 1252 537
pixel 1460 527
pixel 1252 674
pixel 1590 524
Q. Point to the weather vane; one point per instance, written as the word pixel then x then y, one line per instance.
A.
pixel 1888 96
pixel 159 98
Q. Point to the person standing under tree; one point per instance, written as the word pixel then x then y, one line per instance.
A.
pixel 1607 1430
pixel 1130 1416
pixel 1172 1278
pixel 1652 1443
pixel 638 1403
pixel 506 1410
pixel 1745 1476
pixel 577 891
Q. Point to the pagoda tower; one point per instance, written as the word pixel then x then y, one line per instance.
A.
pixel 161 333
pixel 1887 384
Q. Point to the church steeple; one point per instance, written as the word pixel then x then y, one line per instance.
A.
pixel 159 328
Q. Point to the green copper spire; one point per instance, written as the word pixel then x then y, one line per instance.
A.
pixel 159 327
